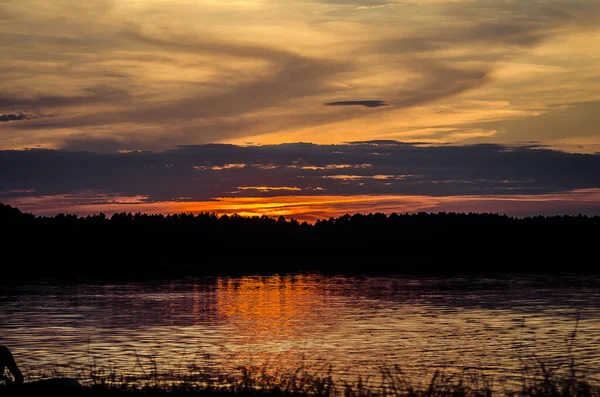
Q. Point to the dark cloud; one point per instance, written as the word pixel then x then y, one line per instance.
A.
pixel 91 95
pixel 203 172
pixel 12 117
pixel 368 104
pixel 23 116
pixel 358 3
pixel 103 145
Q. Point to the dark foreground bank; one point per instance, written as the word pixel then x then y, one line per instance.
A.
pixel 544 383
pixel 125 245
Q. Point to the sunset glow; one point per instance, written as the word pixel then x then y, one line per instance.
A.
pixel 300 198
pixel 312 208
pixel 179 79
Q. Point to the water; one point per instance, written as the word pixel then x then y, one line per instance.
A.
pixel 355 324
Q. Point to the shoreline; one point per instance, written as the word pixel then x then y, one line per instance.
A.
pixel 544 381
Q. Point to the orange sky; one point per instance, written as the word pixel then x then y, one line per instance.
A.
pixel 149 74
pixel 312 208
pixel 110 76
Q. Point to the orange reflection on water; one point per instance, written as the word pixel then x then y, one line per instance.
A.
pixel 269 308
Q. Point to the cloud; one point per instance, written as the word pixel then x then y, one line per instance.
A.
pixel 437 81
pixel 358 3
pixel 193 116
pixel 567 121
pixel 368 104
pixel 205 172
pixel 12 117
pixel 123 75
pixel 91 95
pixel 23 116
pixel 103 144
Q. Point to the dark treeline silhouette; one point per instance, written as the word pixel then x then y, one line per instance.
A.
pixel 128 245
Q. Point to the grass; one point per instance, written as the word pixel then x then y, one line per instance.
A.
pixel 540 380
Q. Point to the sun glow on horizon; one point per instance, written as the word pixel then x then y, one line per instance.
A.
pixel 312 208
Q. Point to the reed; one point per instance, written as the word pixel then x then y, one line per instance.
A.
pixel 540 380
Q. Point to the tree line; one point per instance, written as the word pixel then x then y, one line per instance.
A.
pixel 137 244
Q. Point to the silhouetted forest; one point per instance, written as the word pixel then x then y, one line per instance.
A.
pixel 139 245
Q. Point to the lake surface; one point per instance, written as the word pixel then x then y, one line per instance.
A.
pixel 356 324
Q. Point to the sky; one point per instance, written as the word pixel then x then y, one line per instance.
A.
pixel 305 108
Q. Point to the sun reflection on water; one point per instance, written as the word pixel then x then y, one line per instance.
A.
pixel 268 308
pixel 357 324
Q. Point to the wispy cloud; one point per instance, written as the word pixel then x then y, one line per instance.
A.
pixel 152 76
pixel 90 95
